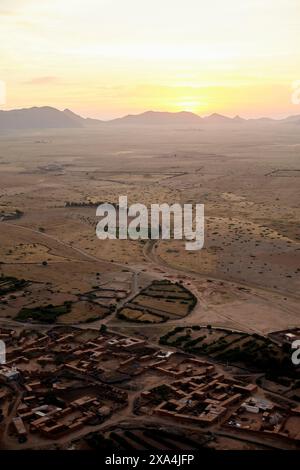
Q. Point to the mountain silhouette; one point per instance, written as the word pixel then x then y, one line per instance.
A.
pixel 48 117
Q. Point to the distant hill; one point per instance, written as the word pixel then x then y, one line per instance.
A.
pixel 159 118
pixel 182 118
pixel 48 117
pixel 262 120
pixel 37 118
pixel 296 117
pixel 292 119
pixel 82 121
pixel 238 120
pixel 217 119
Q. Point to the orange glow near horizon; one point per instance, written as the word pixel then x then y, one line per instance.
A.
pixel 106 59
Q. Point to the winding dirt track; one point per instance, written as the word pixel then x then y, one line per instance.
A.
pixel 71 247
pixel 154 258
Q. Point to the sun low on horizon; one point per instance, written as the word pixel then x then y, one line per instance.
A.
pixel 105 59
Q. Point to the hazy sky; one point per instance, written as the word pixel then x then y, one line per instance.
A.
pixel 107 58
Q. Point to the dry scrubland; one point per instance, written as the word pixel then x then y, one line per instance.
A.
pixel 142 342
pixel 247 175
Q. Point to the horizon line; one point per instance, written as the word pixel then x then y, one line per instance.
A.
pixel 154 111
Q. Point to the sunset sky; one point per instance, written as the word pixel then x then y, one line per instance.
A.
pixel 107 58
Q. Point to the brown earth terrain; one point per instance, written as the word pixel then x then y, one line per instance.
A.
pixel 55 270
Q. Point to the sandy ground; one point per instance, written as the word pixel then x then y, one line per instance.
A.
pixel 246 177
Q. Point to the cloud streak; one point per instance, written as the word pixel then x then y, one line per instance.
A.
pixel 42 81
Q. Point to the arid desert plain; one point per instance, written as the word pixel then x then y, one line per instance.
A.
pixel 243 285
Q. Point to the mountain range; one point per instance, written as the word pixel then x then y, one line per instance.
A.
pixel 48 117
